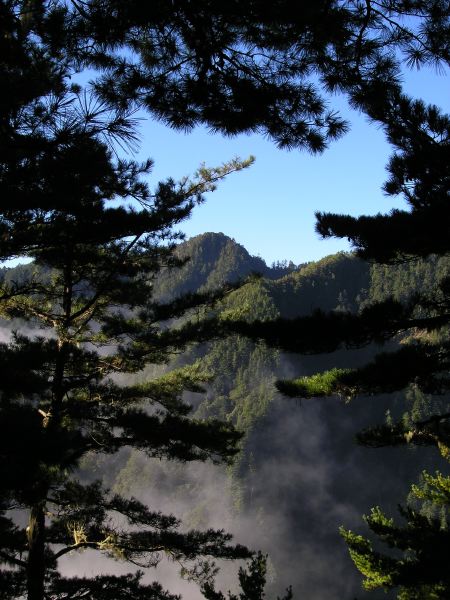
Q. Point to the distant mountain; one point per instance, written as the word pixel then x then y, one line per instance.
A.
pixel 213 259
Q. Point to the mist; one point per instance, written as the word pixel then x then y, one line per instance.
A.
pixel 300 476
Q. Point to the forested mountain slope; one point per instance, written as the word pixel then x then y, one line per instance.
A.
pixel 300 473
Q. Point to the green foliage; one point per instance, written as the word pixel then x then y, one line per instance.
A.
pixel 389 372
pixel 211 260
pixel 434 490
pixel 334 283
pixel 405 280
pixel 321 384
pixel 417 566
pixel 423 424
pixel 250 302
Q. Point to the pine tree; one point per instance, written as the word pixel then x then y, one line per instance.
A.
pixel 239 67
pixel 90 291
pixel 417 564
pixel 245 67
pixel 65 198
pixel 252 582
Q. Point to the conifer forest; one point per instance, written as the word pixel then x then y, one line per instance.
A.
pixel 179 419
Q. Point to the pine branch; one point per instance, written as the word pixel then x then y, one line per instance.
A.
pixel 12 559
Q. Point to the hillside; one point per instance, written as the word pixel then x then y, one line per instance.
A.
pixel 212 260
pixel 300 474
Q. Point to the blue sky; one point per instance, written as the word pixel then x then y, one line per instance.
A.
pixel 269 208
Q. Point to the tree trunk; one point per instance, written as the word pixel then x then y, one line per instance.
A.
pixel 36 552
